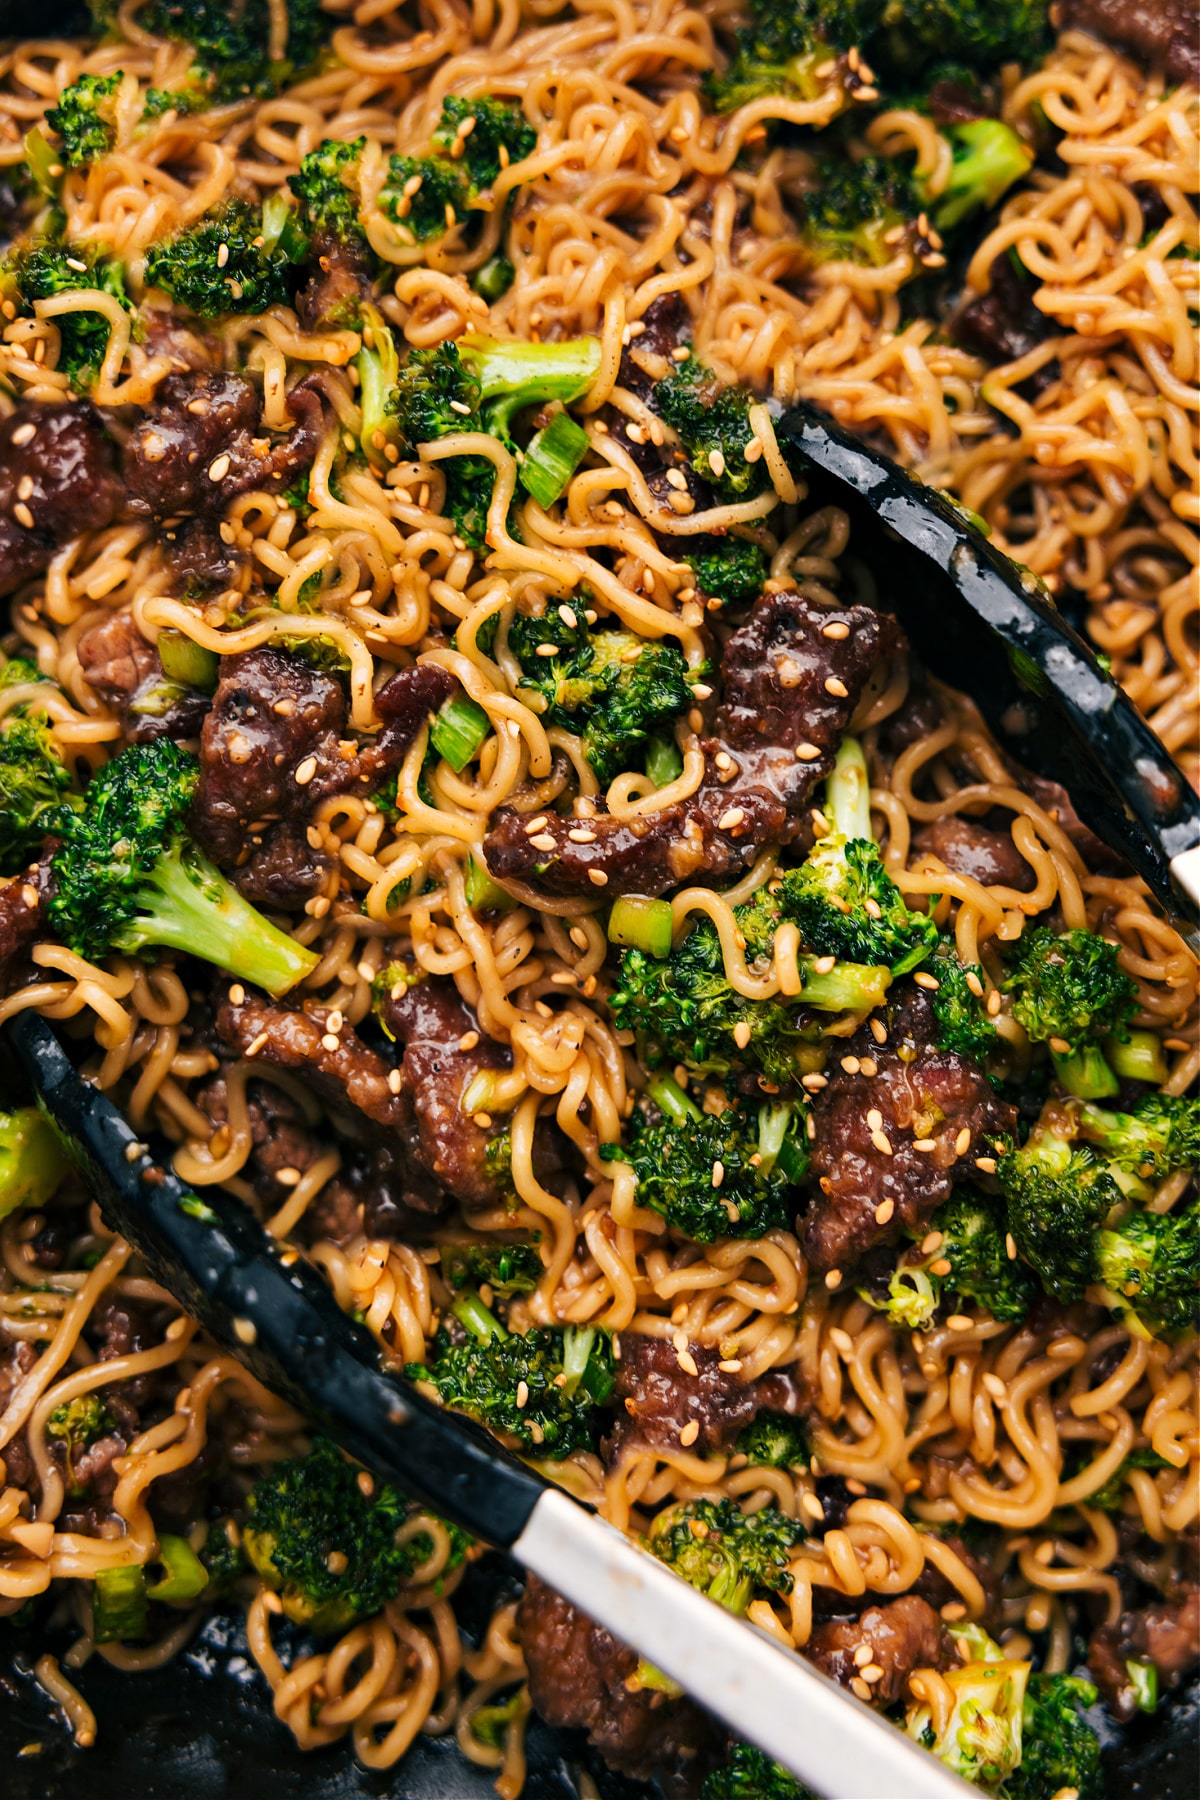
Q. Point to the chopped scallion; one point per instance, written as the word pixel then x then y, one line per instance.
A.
pixel 119 1604
pixel 459 731
pixel 552 458
pixel 641 924
pixel 185 1575
pixel 1143 1679
pixel 483 894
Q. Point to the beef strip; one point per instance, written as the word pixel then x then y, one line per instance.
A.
pixel 351 1080
pixel 16 1360
pixel 578 1675
pixel 124 669
pixel 337 287
pixel 432 1023
pixel 776 670
pixel 63 477
pixel 660 1397
pixel 1159 32
pixel 1166 1633
pixel 921 1094
pixel 932 1585
pixel 198 559
pixel 273 716
pixel 23 902
pixel 279 1133
pixel 1003 324
pixel 968 848
pixel 903 1635
pixel 200 445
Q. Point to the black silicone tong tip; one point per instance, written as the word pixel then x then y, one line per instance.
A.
pixel 985 626
pixel 280 1319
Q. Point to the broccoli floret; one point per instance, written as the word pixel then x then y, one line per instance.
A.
pixel 33 786
pixel 853 208
pixel 842 898
pixel 326 187
pixel 433 395
pixel 32 1161
pixel 512 1384
pixel 611 687
pixel 1159 1137
pixel 970 1262
pixel 424 196
pixel 499 136
pixel 963 1021
pixel 20 671
pixel 1109 1497
pixel 715 1176
pixel 78 1423
pixel 988 157
pixel 980 35
pixel 981 1738
pixel 785 44
pixel 129 877
pixel 1059 1749
pixel 749 1775
pixel 46 269
pixel 729 569
pixel 223 1557
pixel 774 1441
pixel 327 1547
pixel 232 43
pixel 85 118
pixel 1071 993
pixel 1058 1195
pixel 726 1553
pixel 1148 1270
pixel 249 278
pixel 712 423
pixel 505 1268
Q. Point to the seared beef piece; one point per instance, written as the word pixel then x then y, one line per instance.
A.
pixel 279 1132
pixel 203 422
pixel 577 1680
pixel 658 1397
pixel 272 715
pixel 16 1360
pixel 933 1586
pixel 1166 1633
pixel 1159 32
pixel 968 848
pixel 124 669
pixel 918 715
pixel 1054 799
pixel 351 1081
pixel 23 902
pixel 70 463
pixel 953 102
pixel 903 1635
pixel 334 293
pixel 668 323
pixel 198 558
pixel 431 1021
pixel 168 336
pixel 120 1327
pixel 1003 324
pixel 775 672
pixel 920 1093
pixel 47 1248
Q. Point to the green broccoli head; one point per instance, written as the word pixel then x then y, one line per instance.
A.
pixel 32 1160
pixel 978 35
pixel 960 1011
pixel 1070 992
pixel 326 185
pixel 77 1424
pixel 1148 1266
pixel 46 269
pixel 712 423
pixel 85 118
pixel 987 158
pixel 1058 1194
pixel 729 569
pixel 232 43
pixel 715 1176
pixel 784 45
pixel 505 1268
pixel 1109 1497
pixel 541 1390
pixel 222 265
pixel 128 876
pixel 1160 1137
pixel 325 1540
pixel 498 136
pixel 223 1557
pixel 774 1441
pixel 847 905
pixel 33 788
pixel 434 396
pixel 729 1555
pixel 749 1775
pixel 973 1244
pixel 1059 1749
pixel 857 210
pixel 610 687
pixel 424 196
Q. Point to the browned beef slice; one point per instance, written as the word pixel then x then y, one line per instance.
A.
pixel 16 1360
pixel 404 704
pixel 125 670
pixel 340 282
pixel 1003 324
pixel 577 1679
pixel 351 1080
pixel 279 1133
pixel 23 902
pixel 200 445
pixel 971 849
pixel 933 1586
pixel 775 672
pixel 1162 33
pixel 920 1093
pixel 1166 1633
pixel 198 558
pixel 903 1635
pixel 63 477
pixel 432 1022
pixel 657 1397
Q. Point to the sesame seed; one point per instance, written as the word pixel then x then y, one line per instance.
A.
pixel 522 1393
pixel 690 1433
pixel 814 1083
pixel 927 981
pixel 836 687
pixel 701 691
pixel 288 1177
pixel 872 908
pixel 330 1042
pixel 597 877
pixel 547 650
pixel 833 1279
pixel 824 965
pixel 810 1127
pixel 850 1064
pixel 741 1033
pixel 335 1021
pixel 884 1211
pixel 687 1362
pixel 543 842
pixel 733 817
pixel 837 630
pixel 868 1066
pixel 581 835
pixel 468 1040
pixel 716 462
pixel 753 450
pixel 482 1119
pixel 986 1164
pixel 24 434
pixel 460 406
pixel 993 1002
pixel 578 937
pixel 863 1655
pixel 395 1081
pixel 245 1330
pixel 366 1484
pixel 859 1687
pixel 730 1365
pixel 925 1145
pixel 305 771
pixel 881 1143
pixel 218 469
pixel 942 1266
pixel 569 617
pixel 1010 1246
pixel 807 752
pixel 723 760
pixel 930 1242
pixel 25 487
pixel 960 1322
pixel 962 1142
pixel 536 824
pixel 841 1340
pixel 22 515
pixel 676 480
pixel 1060 1046
pixel 878 1030
pixel 974 983
pixel 872 1672
pixel 812 1506
pixel 718 1173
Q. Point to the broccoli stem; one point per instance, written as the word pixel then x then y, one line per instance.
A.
pixel 988 158
pixel 1085 1073
pixel 483 894
pixel 32 1161
pixel 184 660
pixel 847 987
pixel 513 374
pixel 1140 1058
pixel 848 792
pixel 378 367
pixel 459 730
pixel 664 760
pixel 577 1349
pixel 672 1102
pixel 119 1604
pixel 642 925
pixel 773 1122
pixel 186 904
pixel 470 1311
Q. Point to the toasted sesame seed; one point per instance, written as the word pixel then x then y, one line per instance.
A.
pixel 723 760
pixel 814 1082
pixel 823 965
pixel 872 1672
pixel 925 1144
pixel 882 1143
pixel 960 1322
pixel 468 1040
pixel 335 1021
pixel 25 487
pixel 874 1119
pixel 993 1002
pixel 942 1266
pixel 716 462
pixel 701 691
pixel 581 835
pixel 986 1164
pixel 258 1043
pixel 812 1506
pixel 730 1365
pixel 543 842
pixel 733 817
pixel 22 515
pixel 288 1177
pixel 677 480
pixel 395 1081
pixel 868 1066
pixel 810 1128
pixel 807 752
pixel 24 434
pixel 884 1211
pixel 330 1042
pixel 533 825
pixel 930 1242
pixel 841 1340
pixel 878 1030
pixel 974 983
pixel 850 1064
pixel 962 1142
pixel 837 630
pixel 218 469
pixel 522 1394
pixel 482 1119
pixel 863 1655
pixel 753 450
pixel 833 1279
pixel 1010 1246
pixel 305 771
pixel 597 877
pixel 859 1687
pixel 245 1331
pixel 578 937
pixel 925 980
pixel 836 687
pixel 687 1362
pixel 547 650
pixel 741 1033
pixel 690 1433
pixel 718 1173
